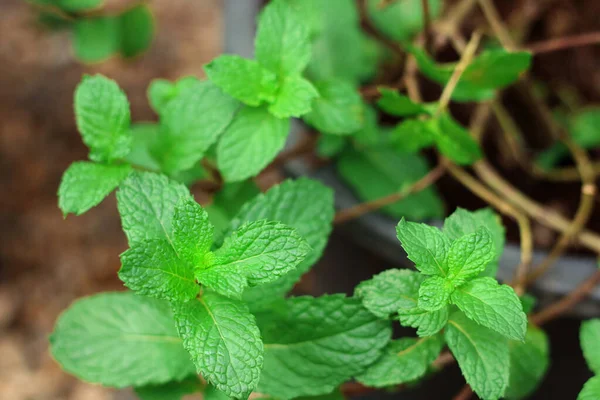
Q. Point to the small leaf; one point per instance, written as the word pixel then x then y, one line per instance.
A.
pixel 589 337
pixel 427 322
pixel 243 79
pixel 224 342
pixel 162 91
pixel 146 202
pixel 85 184
pixel 412 135
pixel 294 98
pixel 338 110
pixel 434 293
pixel 591 389
pixel 425 245
pixel 102 115
pixel 192 231
pixel 529 362
pixel 282 42
pixel 143 138
pixel 482 356
pixel 96 39
pixel 250 143
pixel 169 391
pixel 401 20
pixel 403 360
pixel 455 142
pixel 469 255
pixel 330 145
pixel 492 305
pixel 119 340
pixel 136 30
pixel 397 104
pixel 317 344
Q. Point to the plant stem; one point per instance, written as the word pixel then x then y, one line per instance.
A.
pixel 566 42
pixel 563 305
pixel 493 17
pixel 465 394
pixel 426 24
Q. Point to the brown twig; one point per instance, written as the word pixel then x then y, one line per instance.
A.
pixel 426 24
pixel 465 393
pixel 493 18
pixel 569 301
pixel 562 43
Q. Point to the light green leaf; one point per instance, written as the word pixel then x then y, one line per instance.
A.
pixel 153 268
pixel 589 336
pixel 119 340
pixel 380 172
pixel 425 245
pixel 482 356
pixel 222 337
pixel 192 231
pixel 412 135
pixel 318 344
pixel 143 139
pixel 282 42
pixel 529 361
pixel 403 360
pixel 492 305
pixel 463 222
pixel 243 79
pixel 191 123
pixel 250 143
pixel 398 104
pixel 434 293
pixel 256 253
pixel 338 110
pixel 169 391
pixel 330 145
pixel 401 20
pixel 303 204
pixel 294 98
pixel 591 389
pixel 427 322
pixel 96 39
pixel 228 201
pixel 454 141
pixel 469 255
pixel 162 91
pixel 85 184
pixel 103 118
pixel 136 30
pixel 146 202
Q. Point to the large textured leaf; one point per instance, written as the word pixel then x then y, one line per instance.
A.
pixel 318 344
pixel 529 361
pixel 434 293
pixel 469 255
pixel 482 355
pixel 305 205
pixel 222 337
pixel 250 143
pixel 403 360
pixel 492 305
pixel 146 202
pixel 425 245
pixel 85 184
pixel 102 115
pixel 120 339
pixel 192 231
pixel 589 337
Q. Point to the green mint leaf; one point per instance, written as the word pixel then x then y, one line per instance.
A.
pixel 398 104
pixel 336 395
pixel 250 143
pixel 427 322
pixel 192 232
pixel 434 293
pixel 76 5
pixel 425 245
pixel 227 202
pixel 256 253
pixel 222 337
pixel 403 360
pixel 318 344
pixel 146 202
pixel 143 138
pixel 136 30
pixel 330 145
pixel 153 268
pixel 96 39
pixel 454 141
pixel 462 222
pixel 294 98
pixel 591 389
pixel 494 306
pixel 210 393
pixel 169 391
pixel 243 79
pixel 371 135
pixel 412 135
pixel 338 110
pixel 491 70
pixel 589 336
pixel 469 255
pixel 85 184
pixel 282 42
pixel 191 123
pixel 119 340
pixel 102 115
pixel 380 172
pixel 162 91
pixel 303 204
pixel 529 362
pixel 482 355
pixel 401 20
pixel 528 301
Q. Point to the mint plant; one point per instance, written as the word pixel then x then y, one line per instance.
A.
pixel 208 307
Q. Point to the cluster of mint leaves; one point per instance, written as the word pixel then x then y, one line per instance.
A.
pixel 99 37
